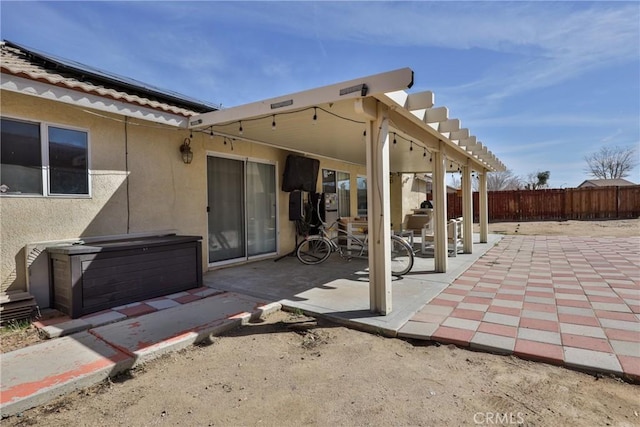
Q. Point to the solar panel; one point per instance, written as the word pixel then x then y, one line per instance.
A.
pixel 64 64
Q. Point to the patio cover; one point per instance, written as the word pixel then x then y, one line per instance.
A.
pixel 371 121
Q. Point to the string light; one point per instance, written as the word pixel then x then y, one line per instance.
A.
pixel 273 116
pixel 224 140
pixel 315 120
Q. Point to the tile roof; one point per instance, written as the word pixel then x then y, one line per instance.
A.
pixel 21 62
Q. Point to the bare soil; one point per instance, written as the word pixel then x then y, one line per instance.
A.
pixel 604 228
pixel 14 335
pixel 15 338
pixel 288 370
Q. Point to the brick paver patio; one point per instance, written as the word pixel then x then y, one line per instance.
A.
pixel 561 300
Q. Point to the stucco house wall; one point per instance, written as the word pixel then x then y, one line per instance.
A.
pixel 407 192
pixel 162 193
pixel 159 184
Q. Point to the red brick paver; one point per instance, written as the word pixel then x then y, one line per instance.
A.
pixel 565 300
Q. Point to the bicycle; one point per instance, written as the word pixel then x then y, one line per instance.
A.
pixel 317 248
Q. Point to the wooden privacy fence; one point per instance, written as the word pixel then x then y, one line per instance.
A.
pixel 555 204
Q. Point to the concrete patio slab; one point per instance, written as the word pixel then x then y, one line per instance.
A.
pixel 152 335
pixel 34 375
pixel 339 289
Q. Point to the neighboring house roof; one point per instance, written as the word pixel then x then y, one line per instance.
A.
pixel 605 183
pixel 30 64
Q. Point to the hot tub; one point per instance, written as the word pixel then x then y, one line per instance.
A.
pixel 87 278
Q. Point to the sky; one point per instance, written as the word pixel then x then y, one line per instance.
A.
pixel 541 84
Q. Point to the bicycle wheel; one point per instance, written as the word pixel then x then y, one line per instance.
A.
pixel 401 256
pixel 313 250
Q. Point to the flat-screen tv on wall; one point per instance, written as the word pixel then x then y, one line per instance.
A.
pixel 300 173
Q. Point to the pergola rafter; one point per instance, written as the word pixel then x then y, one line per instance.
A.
pixel 357 122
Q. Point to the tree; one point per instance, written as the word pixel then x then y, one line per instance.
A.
pixel 611 162
pixel 501 181
pixel 537 180
pixel 456 182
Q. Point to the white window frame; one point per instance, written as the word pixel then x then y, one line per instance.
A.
pixel 44 155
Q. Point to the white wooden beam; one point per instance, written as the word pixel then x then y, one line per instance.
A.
pixel 467 210
pixel 459 135
pixel 439 189
pixel 419 100
pixel 435 115
pixel 379 218
pixel 449 125
pixel 468 142
pixel 398 96
pixel 357 88
pixel 412 101
pixel 476 149
pixel 484 206
pixel 367 107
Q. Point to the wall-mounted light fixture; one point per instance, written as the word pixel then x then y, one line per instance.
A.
pixel 185 149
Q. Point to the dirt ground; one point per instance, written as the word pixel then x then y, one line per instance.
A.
pixel 616 228
pixel 289 371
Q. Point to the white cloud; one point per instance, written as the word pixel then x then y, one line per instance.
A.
pixel 545 43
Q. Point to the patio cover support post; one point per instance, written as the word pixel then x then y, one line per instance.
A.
pixel 484 207
pixel 440 251
pixel 467 210
pixel 379 212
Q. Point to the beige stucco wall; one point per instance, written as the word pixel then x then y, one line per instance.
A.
pixel 163 192
pixel 34 219
pixel 407 192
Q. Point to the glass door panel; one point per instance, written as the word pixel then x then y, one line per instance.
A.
pixel 362 196
pixel 344 194
pixel 225 187
pixel 261 208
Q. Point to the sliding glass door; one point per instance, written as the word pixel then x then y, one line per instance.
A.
pixel 261 208
pixel 241 209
